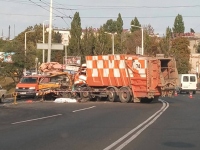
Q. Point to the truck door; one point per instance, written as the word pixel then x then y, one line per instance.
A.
pixel 153 78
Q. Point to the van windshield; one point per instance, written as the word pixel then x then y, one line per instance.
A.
pixel 28 80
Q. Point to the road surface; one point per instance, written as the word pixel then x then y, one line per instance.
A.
pixel 172 123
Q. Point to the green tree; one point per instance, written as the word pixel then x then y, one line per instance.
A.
pixel 110 26
pixel 102 43
pixel 151 44
pixel 133 40
pixel 88 42
pixel 57 55
pixel 75 32
pixel 135 22
pixel 192 30
pixel 168 33
pixel 119 24
pixel 17 46
pixel 181 52
pixel 19 62
pixel 164 44
pixel 178 25
pixel 197 48
pixel 118 37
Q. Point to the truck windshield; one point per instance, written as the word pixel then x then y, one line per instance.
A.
pixel 28 80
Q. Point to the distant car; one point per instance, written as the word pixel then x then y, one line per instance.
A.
pixel 2 93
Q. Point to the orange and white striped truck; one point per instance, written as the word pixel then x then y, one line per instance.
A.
pixel 128 78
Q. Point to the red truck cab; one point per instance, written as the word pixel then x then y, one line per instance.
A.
pixel 28 85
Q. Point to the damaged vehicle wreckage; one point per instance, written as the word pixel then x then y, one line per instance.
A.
pixel 121 77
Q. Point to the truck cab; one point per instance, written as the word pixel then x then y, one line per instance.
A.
pixel 28 86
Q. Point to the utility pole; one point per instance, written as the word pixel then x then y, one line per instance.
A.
pixel 9 33
pixel 50 32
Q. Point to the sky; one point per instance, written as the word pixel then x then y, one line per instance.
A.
pixel 20 14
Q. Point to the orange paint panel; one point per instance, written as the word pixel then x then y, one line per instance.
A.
pixel 94 63
pixel 142 62
pixel 105 63
pixel 89 72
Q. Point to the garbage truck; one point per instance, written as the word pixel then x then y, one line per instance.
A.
pixel 128 78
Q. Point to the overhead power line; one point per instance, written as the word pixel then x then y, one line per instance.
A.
pixel 90 17
pixel 104 6
pixel 56 15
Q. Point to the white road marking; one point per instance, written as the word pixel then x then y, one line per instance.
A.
pixel 36 119
pixel 83 109
pixel 152 119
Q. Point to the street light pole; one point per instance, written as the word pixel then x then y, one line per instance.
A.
pixel 50 30
pixel 25 49
pixel 43 39
pixel 36 65
pixel 142 37
pixel 113 42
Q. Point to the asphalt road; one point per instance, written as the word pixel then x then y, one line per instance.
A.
pixel 164 125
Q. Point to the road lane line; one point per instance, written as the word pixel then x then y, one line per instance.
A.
pixel 36 119
pixel 139 126
pixel 83 109
pixel 141 130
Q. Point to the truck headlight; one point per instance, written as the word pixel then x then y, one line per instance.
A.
pixel 17 88
pixel 32 88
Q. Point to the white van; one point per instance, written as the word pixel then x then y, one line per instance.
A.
pixel 187 83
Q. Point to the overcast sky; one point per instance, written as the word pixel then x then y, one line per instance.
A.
pixel 20 14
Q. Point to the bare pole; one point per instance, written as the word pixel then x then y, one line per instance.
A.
pixel 25 49
pixel 113 43
pixel 50 32
pixel 43 43
pixel 142 42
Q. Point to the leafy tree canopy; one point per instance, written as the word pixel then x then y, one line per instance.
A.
pixel 135 22
pixel 110 26
pixel 75 32
pixel 179 25
pixel 192 30
pixel 181 52
pixel 119 24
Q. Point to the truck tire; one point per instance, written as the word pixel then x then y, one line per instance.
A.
pixel 85 94
pixel 112 94
pixel 124 95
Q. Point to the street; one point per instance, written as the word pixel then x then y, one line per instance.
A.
pixel 171 123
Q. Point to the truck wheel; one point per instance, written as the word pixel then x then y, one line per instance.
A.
pixel 85 94
pixel 124 94
pixel 112 94
pixel 194 92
